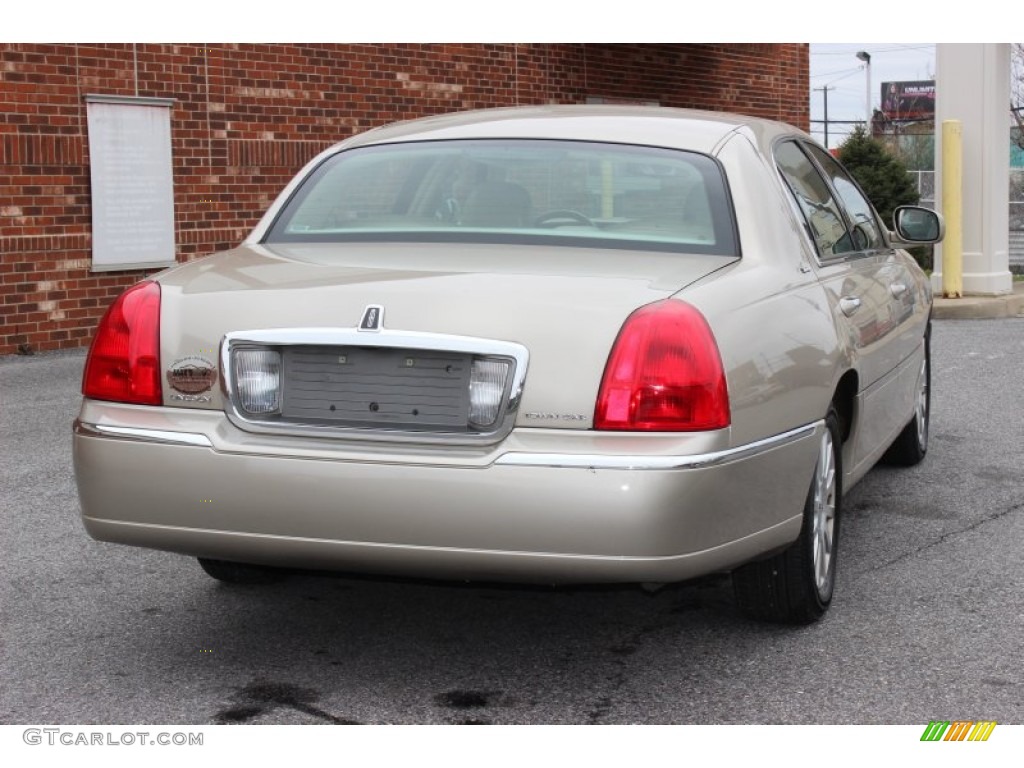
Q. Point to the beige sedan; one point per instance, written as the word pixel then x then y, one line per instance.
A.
pixel 553 344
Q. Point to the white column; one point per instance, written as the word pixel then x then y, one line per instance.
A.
pixel 973 86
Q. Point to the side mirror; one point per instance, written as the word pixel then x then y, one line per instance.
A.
pixel 917 226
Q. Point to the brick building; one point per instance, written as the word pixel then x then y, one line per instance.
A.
pixel 245 118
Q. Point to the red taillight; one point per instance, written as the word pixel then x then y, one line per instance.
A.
pixel 664 374
pixel 124 359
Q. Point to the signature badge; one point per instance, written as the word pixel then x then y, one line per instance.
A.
pixel 192 375
pixel 373 318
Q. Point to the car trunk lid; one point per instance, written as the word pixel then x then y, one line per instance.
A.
pixel 565 306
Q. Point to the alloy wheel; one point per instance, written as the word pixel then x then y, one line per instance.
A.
pixel 823 527
pixel 921 412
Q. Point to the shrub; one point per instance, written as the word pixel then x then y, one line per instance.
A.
pixel 884 179
pixel 881 175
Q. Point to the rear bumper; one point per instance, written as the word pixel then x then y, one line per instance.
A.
pixel 579 507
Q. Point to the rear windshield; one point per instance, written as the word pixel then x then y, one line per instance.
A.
pixel 505 191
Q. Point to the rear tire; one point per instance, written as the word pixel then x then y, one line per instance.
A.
pixel 912 444
pixel 240 573
pixel 796 586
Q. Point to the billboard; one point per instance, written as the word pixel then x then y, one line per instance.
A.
pixel 909 100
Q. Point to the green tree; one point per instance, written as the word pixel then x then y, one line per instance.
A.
pixel 881 175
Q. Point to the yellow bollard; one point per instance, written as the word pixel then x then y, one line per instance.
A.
pixel 953 209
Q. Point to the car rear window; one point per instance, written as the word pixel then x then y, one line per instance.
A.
pixel 515 191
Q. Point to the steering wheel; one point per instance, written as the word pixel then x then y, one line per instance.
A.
pixel 561 217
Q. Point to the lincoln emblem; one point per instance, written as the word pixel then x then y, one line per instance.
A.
pixel 373 318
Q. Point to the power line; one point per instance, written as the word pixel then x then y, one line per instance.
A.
pixel 838 72
pixel 851 73
pixel 873 51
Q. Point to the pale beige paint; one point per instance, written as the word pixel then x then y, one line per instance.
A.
pixel 458 510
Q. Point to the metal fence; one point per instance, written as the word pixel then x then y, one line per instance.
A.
pixel 925 181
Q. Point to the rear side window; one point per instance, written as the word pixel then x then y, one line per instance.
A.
pixel 866 232
pixel 822 213
pixel 515 191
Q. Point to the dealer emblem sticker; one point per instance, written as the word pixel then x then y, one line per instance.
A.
pixel 192 375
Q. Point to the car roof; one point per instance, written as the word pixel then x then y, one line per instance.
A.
pixel 691 129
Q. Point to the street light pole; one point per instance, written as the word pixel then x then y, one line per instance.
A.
pixel 866 58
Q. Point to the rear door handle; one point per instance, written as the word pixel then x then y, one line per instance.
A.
pixel 898 289
pixel 849 305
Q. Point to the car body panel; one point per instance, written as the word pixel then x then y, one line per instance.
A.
pixel 552 500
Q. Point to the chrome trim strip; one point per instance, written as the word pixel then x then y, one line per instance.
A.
pixel 555 460
pixel 143 435
pixel 277 337
pixel 696 461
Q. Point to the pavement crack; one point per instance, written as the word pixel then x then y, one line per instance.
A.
pixel 942 539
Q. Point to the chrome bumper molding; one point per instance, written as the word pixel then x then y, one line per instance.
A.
pixel 554 460
pixel 695 461
pixel 144 435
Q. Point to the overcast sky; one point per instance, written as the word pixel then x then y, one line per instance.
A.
pixel 836 66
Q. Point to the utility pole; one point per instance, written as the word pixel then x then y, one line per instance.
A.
pixel 825 91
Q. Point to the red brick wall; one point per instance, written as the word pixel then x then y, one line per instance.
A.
pixel 246 117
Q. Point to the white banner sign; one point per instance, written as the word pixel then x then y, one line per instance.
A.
pixel 132 182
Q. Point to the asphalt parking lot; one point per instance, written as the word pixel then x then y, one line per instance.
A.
pixel 927 623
